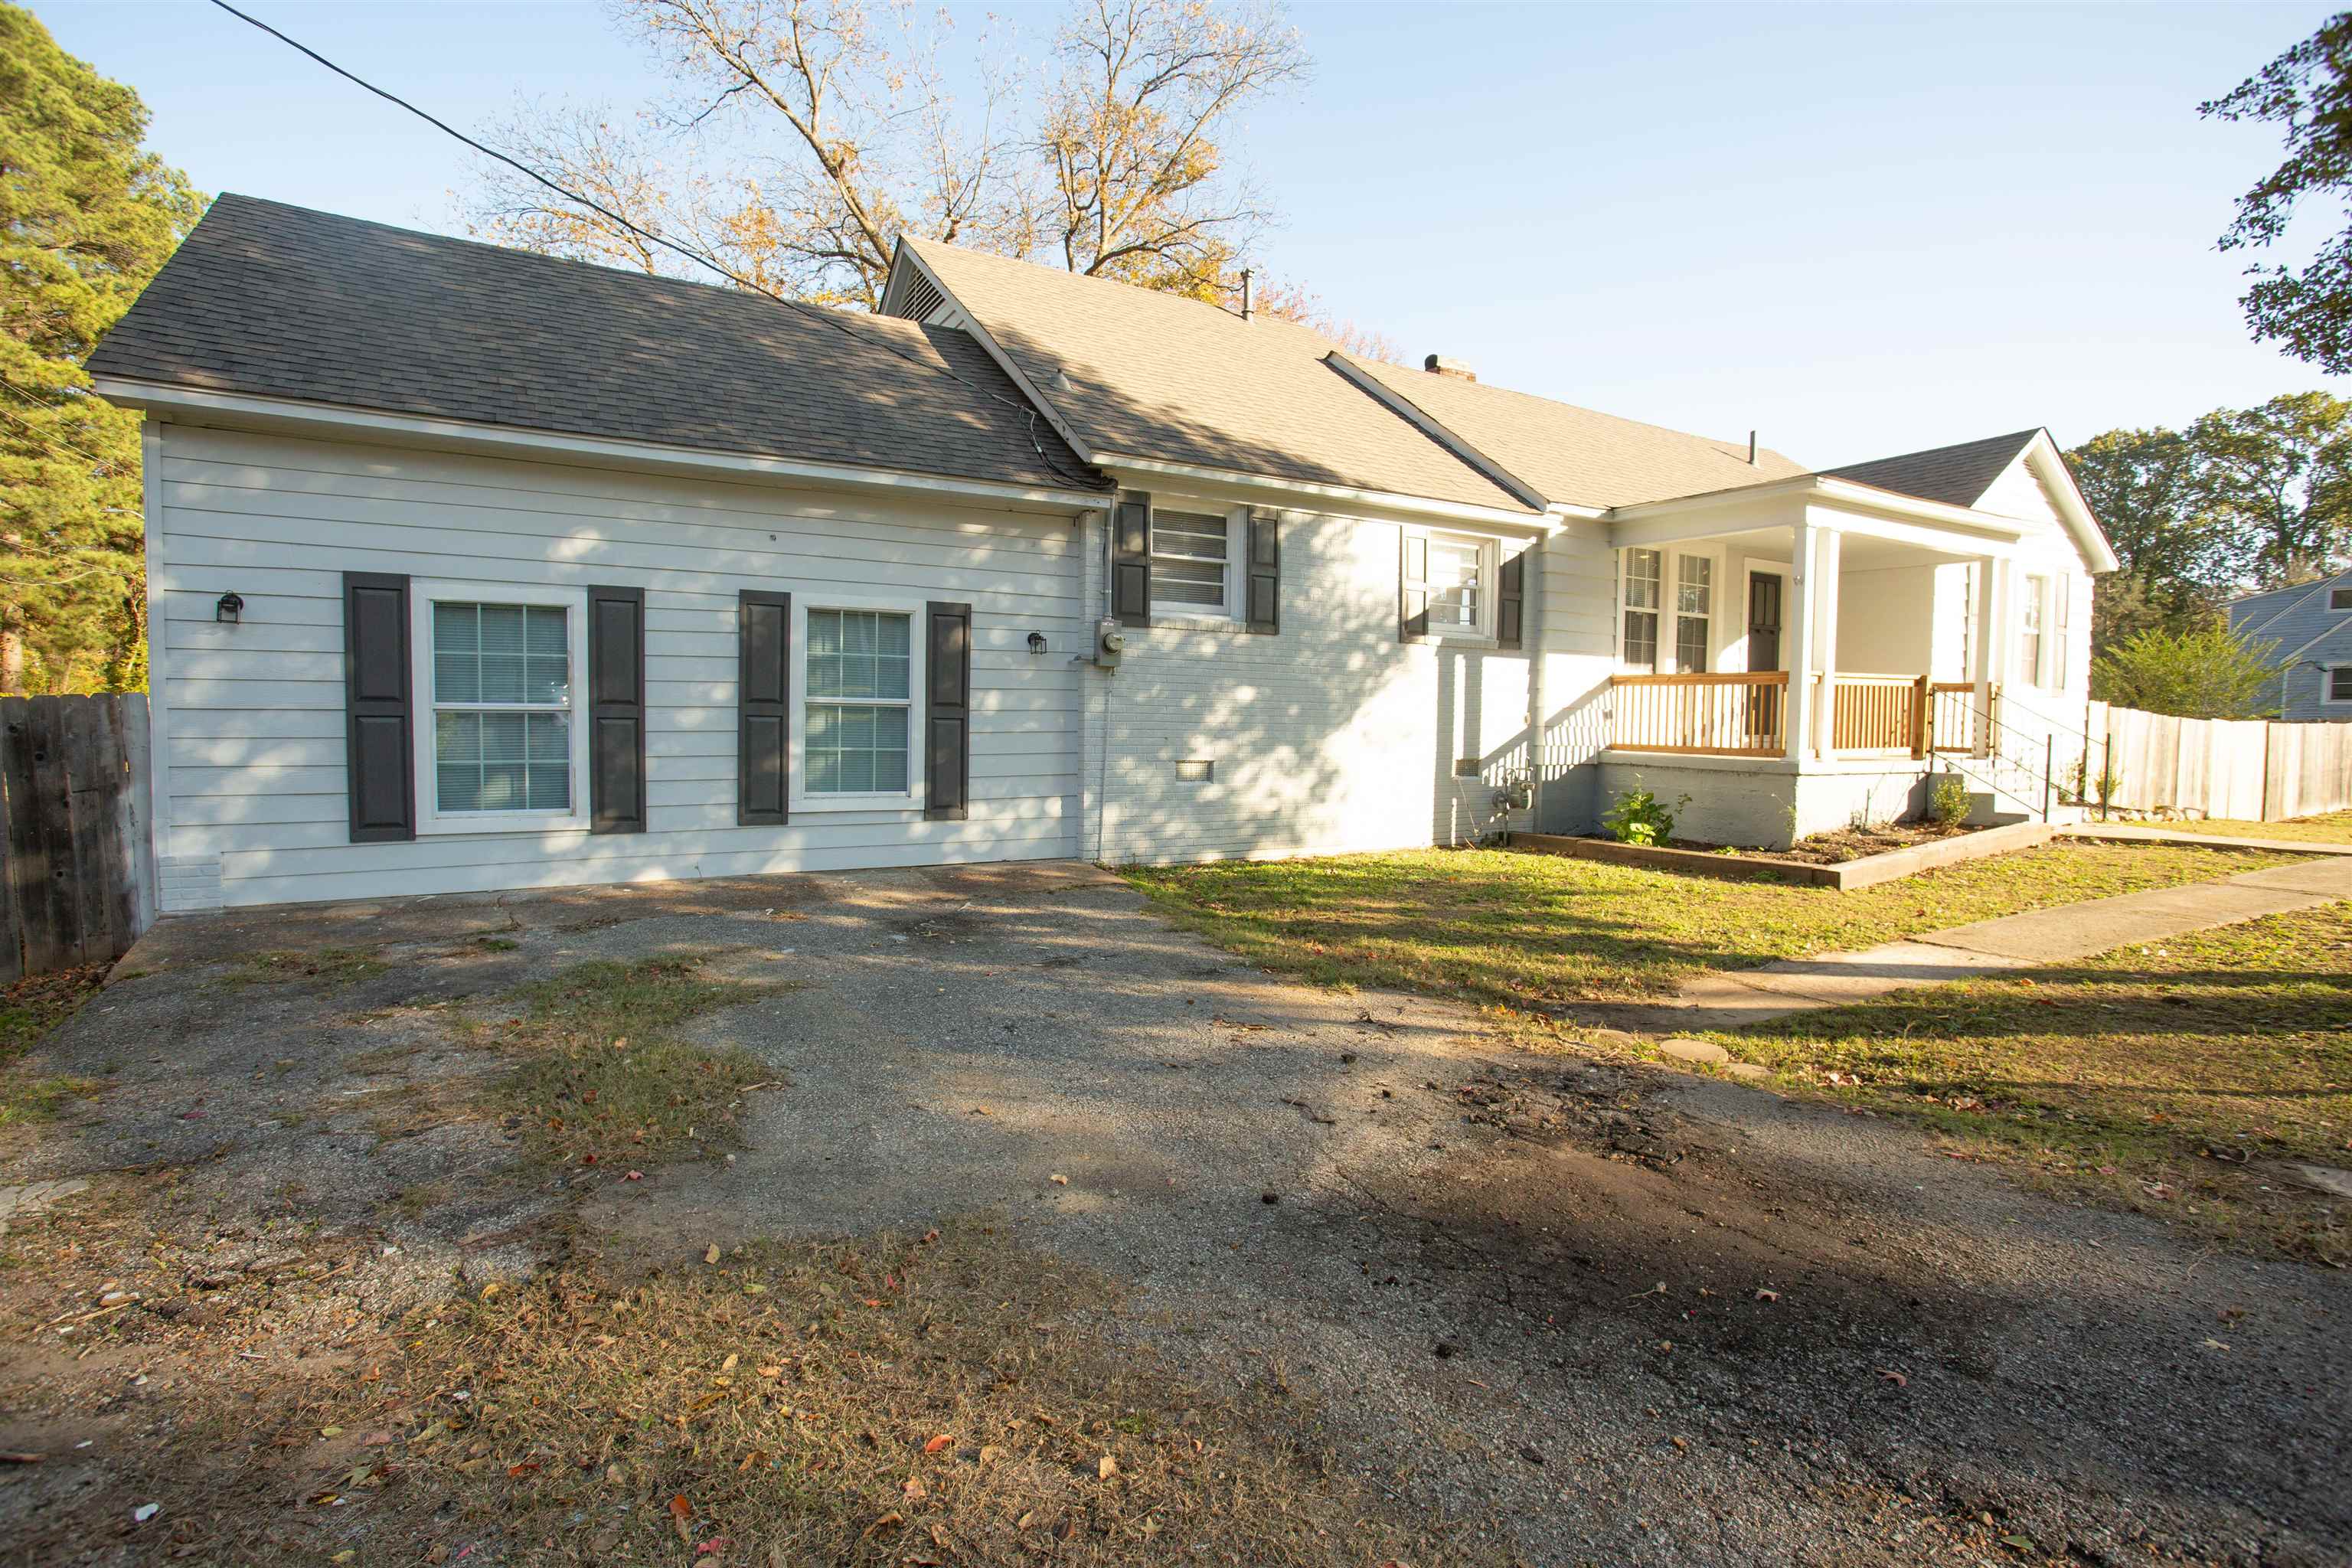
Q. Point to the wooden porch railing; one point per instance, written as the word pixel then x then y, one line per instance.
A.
pixel 1726 715
pixel 1878 713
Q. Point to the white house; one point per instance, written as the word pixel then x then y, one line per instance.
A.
pixel 471 570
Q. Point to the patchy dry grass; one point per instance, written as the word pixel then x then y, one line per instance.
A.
pixel 952 1399
pixel 2334 827
pixel 2156 1077
pixel 603 1076
pixel 29 1009
pixel 1533 931
pixel 335 965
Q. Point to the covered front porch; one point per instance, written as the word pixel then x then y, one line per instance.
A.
pixel 1809 642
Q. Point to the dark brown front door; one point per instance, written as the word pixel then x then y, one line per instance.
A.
pixel 1764 621
pixel 1764 651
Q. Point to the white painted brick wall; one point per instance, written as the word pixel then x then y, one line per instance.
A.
pixel 186 884
pixel 1329 737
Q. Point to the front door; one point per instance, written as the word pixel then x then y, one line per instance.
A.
pixel 1764 589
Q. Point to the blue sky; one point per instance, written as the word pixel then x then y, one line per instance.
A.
pixel 1861 229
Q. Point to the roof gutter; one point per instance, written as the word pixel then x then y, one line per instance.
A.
pixel 1350 500
pixel 190 405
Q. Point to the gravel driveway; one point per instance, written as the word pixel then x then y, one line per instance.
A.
pixel 1604 1314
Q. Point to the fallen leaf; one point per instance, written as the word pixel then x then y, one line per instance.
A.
pixel 1108 1468
pixel 145 1511
pixel 1768 1294
pixel 930 1236
pixel 890 1520
pixel 681 1514
pixel 711 1254
pixel 515 1472
pixel 772 1371
pixel 1058 1179
pixel 1896 1378
pixel 716 1544
pixel 936 1444
pixel 914 1489
pixel 729 1364
pixel 635 1176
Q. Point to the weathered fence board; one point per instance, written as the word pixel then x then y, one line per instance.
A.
pixel 76 867
pixel 2244 770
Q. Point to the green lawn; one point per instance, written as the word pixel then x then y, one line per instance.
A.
pixel 2336 827
pixel 1528 931
pixel 2145 1077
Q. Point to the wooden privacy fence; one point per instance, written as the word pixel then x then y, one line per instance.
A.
pixel 77 870
pixel 2247 770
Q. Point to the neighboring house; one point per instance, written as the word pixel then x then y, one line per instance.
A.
pixel 2310 628
pixel 471 570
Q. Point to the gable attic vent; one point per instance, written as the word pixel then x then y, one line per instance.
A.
pixel 1438 364
pixel 922 297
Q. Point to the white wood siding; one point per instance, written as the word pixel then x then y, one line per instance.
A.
pixel 253 774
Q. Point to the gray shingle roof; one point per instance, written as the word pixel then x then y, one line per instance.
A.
pixel 271 300
pixel 1575 455
pixel 1140 373
pixel 1958 476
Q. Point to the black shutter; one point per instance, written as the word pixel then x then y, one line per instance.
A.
pixel 379 729
pixel 763 706
pixel 1265 601
pixel 1413 588
pixel 616 709
pixel 1510 603
pixel 947 714
pixel 1131 560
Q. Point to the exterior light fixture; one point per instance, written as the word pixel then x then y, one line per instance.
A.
pixel 227 609
pixel 1036 642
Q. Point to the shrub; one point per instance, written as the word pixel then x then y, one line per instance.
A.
pixel 2208 672
pixel 1638 817
pixel 1947 798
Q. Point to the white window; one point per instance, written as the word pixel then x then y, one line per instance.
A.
pixel 1644 571
pixel 860 669
pixel 857 665
pixel 1694 611
pixel 2062 595
pixel 1191 563
pixel 1457 582
pixel 2339 683
pixel 499 671
pixel 2031 607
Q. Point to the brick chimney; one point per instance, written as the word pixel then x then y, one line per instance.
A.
pixel 1438 364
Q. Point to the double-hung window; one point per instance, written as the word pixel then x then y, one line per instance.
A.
pixel 1694 611
pixel 2339 683
pixel 1191 563
pixel 1456 582
pixel 499 672
pixel 2033 606
pixel 857 704
pixel 1642 580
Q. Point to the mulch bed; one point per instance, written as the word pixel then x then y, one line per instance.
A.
pixel 1844 844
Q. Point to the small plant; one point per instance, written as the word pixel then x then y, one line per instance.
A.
pixel 1638 817
pixel 1947 798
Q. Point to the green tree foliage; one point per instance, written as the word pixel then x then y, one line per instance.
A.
pixel 2143 487
pixel 86 218
pixel 2205 672
pixel 2307 311
pixel 2278 480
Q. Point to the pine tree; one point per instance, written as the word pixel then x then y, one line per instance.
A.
pixel 86 218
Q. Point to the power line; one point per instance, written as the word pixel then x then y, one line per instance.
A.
pixel 829 317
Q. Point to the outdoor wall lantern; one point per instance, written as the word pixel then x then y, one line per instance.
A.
pixel 1036 642
pixel 228 610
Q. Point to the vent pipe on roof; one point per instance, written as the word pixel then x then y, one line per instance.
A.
pixel 1245 293
pixel 1438 364
pixel 1751 449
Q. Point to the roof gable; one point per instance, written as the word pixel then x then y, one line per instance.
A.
pixel 1958 474
pixel 269 300
pixel 1133 372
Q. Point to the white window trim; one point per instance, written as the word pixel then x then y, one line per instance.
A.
pixel 1490 584
pixel 430 817
pixel 909 800
pixel 2327 686
pixel 1669 583
pixel 2336 609
pixel 2039 629
pixel 1236 549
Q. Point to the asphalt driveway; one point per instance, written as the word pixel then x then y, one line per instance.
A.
pixel 1596 1311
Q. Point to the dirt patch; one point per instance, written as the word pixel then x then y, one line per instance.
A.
pixel 1843 844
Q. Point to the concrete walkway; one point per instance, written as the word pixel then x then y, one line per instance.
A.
pixel 2059 935
pixel 2156 833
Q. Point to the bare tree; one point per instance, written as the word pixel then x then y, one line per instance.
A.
pixel 806 135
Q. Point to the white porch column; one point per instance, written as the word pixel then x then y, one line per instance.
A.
pixel 1798 710
pixel 1987 637
pixel 1829 550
